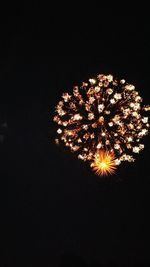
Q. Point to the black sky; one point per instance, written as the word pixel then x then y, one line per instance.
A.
pixel 55 211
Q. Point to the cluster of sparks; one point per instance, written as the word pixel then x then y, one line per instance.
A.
pixel 103 121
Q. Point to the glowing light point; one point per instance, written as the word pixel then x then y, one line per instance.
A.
pixel 130 87
pixel 117 96
pixel 99 145
pixel 145 120
pixel 59 131
pixel 97 89
pixel 136 149
pixel 91 116
pixel 109 91
pixel 110 78
pixel 110 124
pixel 116 146
pixel 112 101
pixel 92 81
pixel 100 107
pixel 122 81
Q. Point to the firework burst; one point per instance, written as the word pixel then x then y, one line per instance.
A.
pixel 103 121
pixel 104 163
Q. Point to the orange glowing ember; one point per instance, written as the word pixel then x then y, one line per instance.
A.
pixel 104 163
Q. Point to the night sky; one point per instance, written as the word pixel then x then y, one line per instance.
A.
pixel 54 210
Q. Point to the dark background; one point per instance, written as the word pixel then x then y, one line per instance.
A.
pixel 54 210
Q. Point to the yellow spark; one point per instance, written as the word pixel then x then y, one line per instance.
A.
pixel 104 163
pixel 57 141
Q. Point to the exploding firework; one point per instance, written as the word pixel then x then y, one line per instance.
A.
pixel 103 121
pixel 104 163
